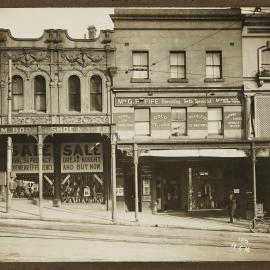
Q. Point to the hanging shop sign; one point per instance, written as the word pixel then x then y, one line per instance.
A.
pixel 81 157
pixel 25 158
pixel 176 101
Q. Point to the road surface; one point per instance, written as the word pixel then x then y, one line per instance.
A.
pixel 125 243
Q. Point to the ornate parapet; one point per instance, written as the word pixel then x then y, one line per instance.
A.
pixel 84 119
pixel 28 120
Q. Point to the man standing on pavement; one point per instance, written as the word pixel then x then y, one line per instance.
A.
pixel 231 206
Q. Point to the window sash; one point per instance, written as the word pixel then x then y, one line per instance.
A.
pixel 142 122
pixel 96 102
pixel 215 127
pixel 140 65
pixel 179 127
pixel 74 88
pixel 17 102
pixel 40 103
pixel 17 85
pixel 215 121
pixel 177 65
pixel 213 65
pixel 214 114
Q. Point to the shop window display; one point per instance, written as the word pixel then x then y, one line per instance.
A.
pixel 83 189
pixel 208 189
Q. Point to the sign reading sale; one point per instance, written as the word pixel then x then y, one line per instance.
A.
pixel 82 157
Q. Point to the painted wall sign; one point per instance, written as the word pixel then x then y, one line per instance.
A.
pixel 18 130
pixel 160 120
pixel 124 121
pixel 75 129
pixel 176 101
pixel 197 120
pixel 25 158
pixel 81 157
pixel 233 120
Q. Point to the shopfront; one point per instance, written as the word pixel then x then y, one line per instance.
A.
pixel 75 165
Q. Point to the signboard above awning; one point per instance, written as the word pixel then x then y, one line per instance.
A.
pixel 225 153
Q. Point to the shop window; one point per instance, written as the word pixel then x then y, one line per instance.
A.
pixel 96 93
pixel 215 119
pixel 179 121
pixel 17 93
pixel 140 65
pixel 213 65
pixel 142 122
pixel 265 63
pixel 40 93
pixel 74 91
pixel 178 65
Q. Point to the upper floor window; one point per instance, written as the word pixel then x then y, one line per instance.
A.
pixel 142 122
pixel 265 62
pixel 17 93
pixel 140 65
pixel 96 93
pixel 40 93
pixel 215 121
pixel 179 121
pixel 178 65
pixel 213 65
pixel 74 93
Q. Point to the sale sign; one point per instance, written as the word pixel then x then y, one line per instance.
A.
pixel 81 157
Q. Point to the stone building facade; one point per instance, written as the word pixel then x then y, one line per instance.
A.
pixel 61 103
pixel 179 107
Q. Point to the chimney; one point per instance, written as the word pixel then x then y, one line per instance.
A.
pixel 91 32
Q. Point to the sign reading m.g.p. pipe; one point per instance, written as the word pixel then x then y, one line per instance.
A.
pixel 176 101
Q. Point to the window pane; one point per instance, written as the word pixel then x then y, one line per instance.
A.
pixel 216 58
pixel 265 57
pixel 173 59
pixel 96 102
pixel 209 59
pixel 40 103
pixel 40 85
pixel 74 93
pixel 178 72
pixel 214 114
pixel 142 128
pixel 216 71
pixel 17 85
pixel 209 72
pixel 144 59
pixel 215 127
pixel 179 114
pixel 141 115
pixel 136 59
pixel 17 102
pixel 179 127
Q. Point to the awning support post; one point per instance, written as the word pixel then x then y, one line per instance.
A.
pixel 135 160
pixel 40 173
pixel 253 150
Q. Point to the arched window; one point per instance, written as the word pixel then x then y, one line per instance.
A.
pixel 17 93
pixel 96 93
pixel 74 93
pixel 40 93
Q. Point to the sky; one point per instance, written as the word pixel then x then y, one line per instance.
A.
pixel 30 22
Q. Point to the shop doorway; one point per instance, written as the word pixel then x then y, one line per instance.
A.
pixel 168 187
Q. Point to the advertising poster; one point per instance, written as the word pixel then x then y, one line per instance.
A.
pixel 81 157
pixel 25 158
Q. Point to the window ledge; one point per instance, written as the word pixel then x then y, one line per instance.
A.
pixel 215 136
pixel 213 80
pixel 135 80
pixel 178 137
pixel 264 78
pixel 177 80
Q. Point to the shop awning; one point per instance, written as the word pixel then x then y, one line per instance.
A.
pixel 230 153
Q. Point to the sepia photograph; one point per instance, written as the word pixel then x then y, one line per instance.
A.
pixel 135 134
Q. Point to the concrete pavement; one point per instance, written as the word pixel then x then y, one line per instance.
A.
pixel 79 214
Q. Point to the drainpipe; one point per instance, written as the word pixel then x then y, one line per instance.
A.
pixel 135 160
